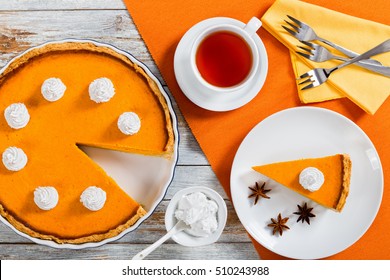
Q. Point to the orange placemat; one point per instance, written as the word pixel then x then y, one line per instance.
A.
pixel 162 24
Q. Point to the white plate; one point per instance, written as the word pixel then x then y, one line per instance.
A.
pixel 125 167
pixel 202 96
pixel 300 133
pixel 183 237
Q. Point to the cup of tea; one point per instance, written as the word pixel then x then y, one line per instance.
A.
pixel 224 57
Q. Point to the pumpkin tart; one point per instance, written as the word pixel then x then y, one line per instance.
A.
pixel 336 170
pixel 55 130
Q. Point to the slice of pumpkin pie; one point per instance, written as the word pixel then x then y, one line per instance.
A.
pixel 324 180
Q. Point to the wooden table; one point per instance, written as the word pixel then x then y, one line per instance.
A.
pixel 24 24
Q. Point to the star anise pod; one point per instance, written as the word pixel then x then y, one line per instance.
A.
pixel 304 213
pixel 279 225
pixel 258 192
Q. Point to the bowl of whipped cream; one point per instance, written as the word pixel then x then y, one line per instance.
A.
pixel 204 212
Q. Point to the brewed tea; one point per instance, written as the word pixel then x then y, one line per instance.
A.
pixel 224 59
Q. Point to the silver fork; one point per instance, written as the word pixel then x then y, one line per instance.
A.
pixel 304 32
pixel 318 76
pixel 319 53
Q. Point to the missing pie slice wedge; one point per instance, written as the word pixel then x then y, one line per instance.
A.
pixel 336 170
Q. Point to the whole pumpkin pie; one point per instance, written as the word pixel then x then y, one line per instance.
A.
pixel 324 180
pixel 55 98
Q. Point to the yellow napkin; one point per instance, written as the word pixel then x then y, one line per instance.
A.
pixel 368 90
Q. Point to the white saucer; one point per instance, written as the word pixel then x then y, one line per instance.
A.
pixel 202 96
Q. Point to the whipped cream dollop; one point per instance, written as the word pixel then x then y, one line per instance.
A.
pixel 199 212
pixel 129 123
pixel 17 115
pixel 101 90
pixel 93 198
pixel 46 198
pixel 14 159
pixel 53 89
pixel 311 179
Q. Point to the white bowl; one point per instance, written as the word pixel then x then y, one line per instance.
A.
pixel 184 238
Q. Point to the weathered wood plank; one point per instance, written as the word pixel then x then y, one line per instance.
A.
pixel 216 251
pixel 33 5
pixel 194 176
pixel 18 32
pixel 189 151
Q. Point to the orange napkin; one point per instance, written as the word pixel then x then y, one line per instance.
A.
pixel 163 23
pixel 366 89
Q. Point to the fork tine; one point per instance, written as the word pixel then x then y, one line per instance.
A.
pixel 311 45
pixel 306 81
pixel 295 20
pixel 308 86
pixel 306 49
pixel 289 30
pixel 296 28
pixel 305 55
pixel 307 74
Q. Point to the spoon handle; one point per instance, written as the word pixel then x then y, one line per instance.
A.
pixel 177 228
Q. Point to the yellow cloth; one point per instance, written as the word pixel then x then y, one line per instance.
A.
pixel 368 90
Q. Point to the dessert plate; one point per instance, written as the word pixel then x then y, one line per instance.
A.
pixel 306 132
pixel 130 171
pixel 205 97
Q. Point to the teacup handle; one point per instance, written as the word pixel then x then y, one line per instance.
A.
pixel 252 26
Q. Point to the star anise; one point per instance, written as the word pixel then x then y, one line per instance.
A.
pixel 279 225
pixel 259 192
pixel 304 213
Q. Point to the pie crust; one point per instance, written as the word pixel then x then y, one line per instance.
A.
pixel 57 128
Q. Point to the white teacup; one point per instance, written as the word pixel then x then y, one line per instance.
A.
pixel 246 34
